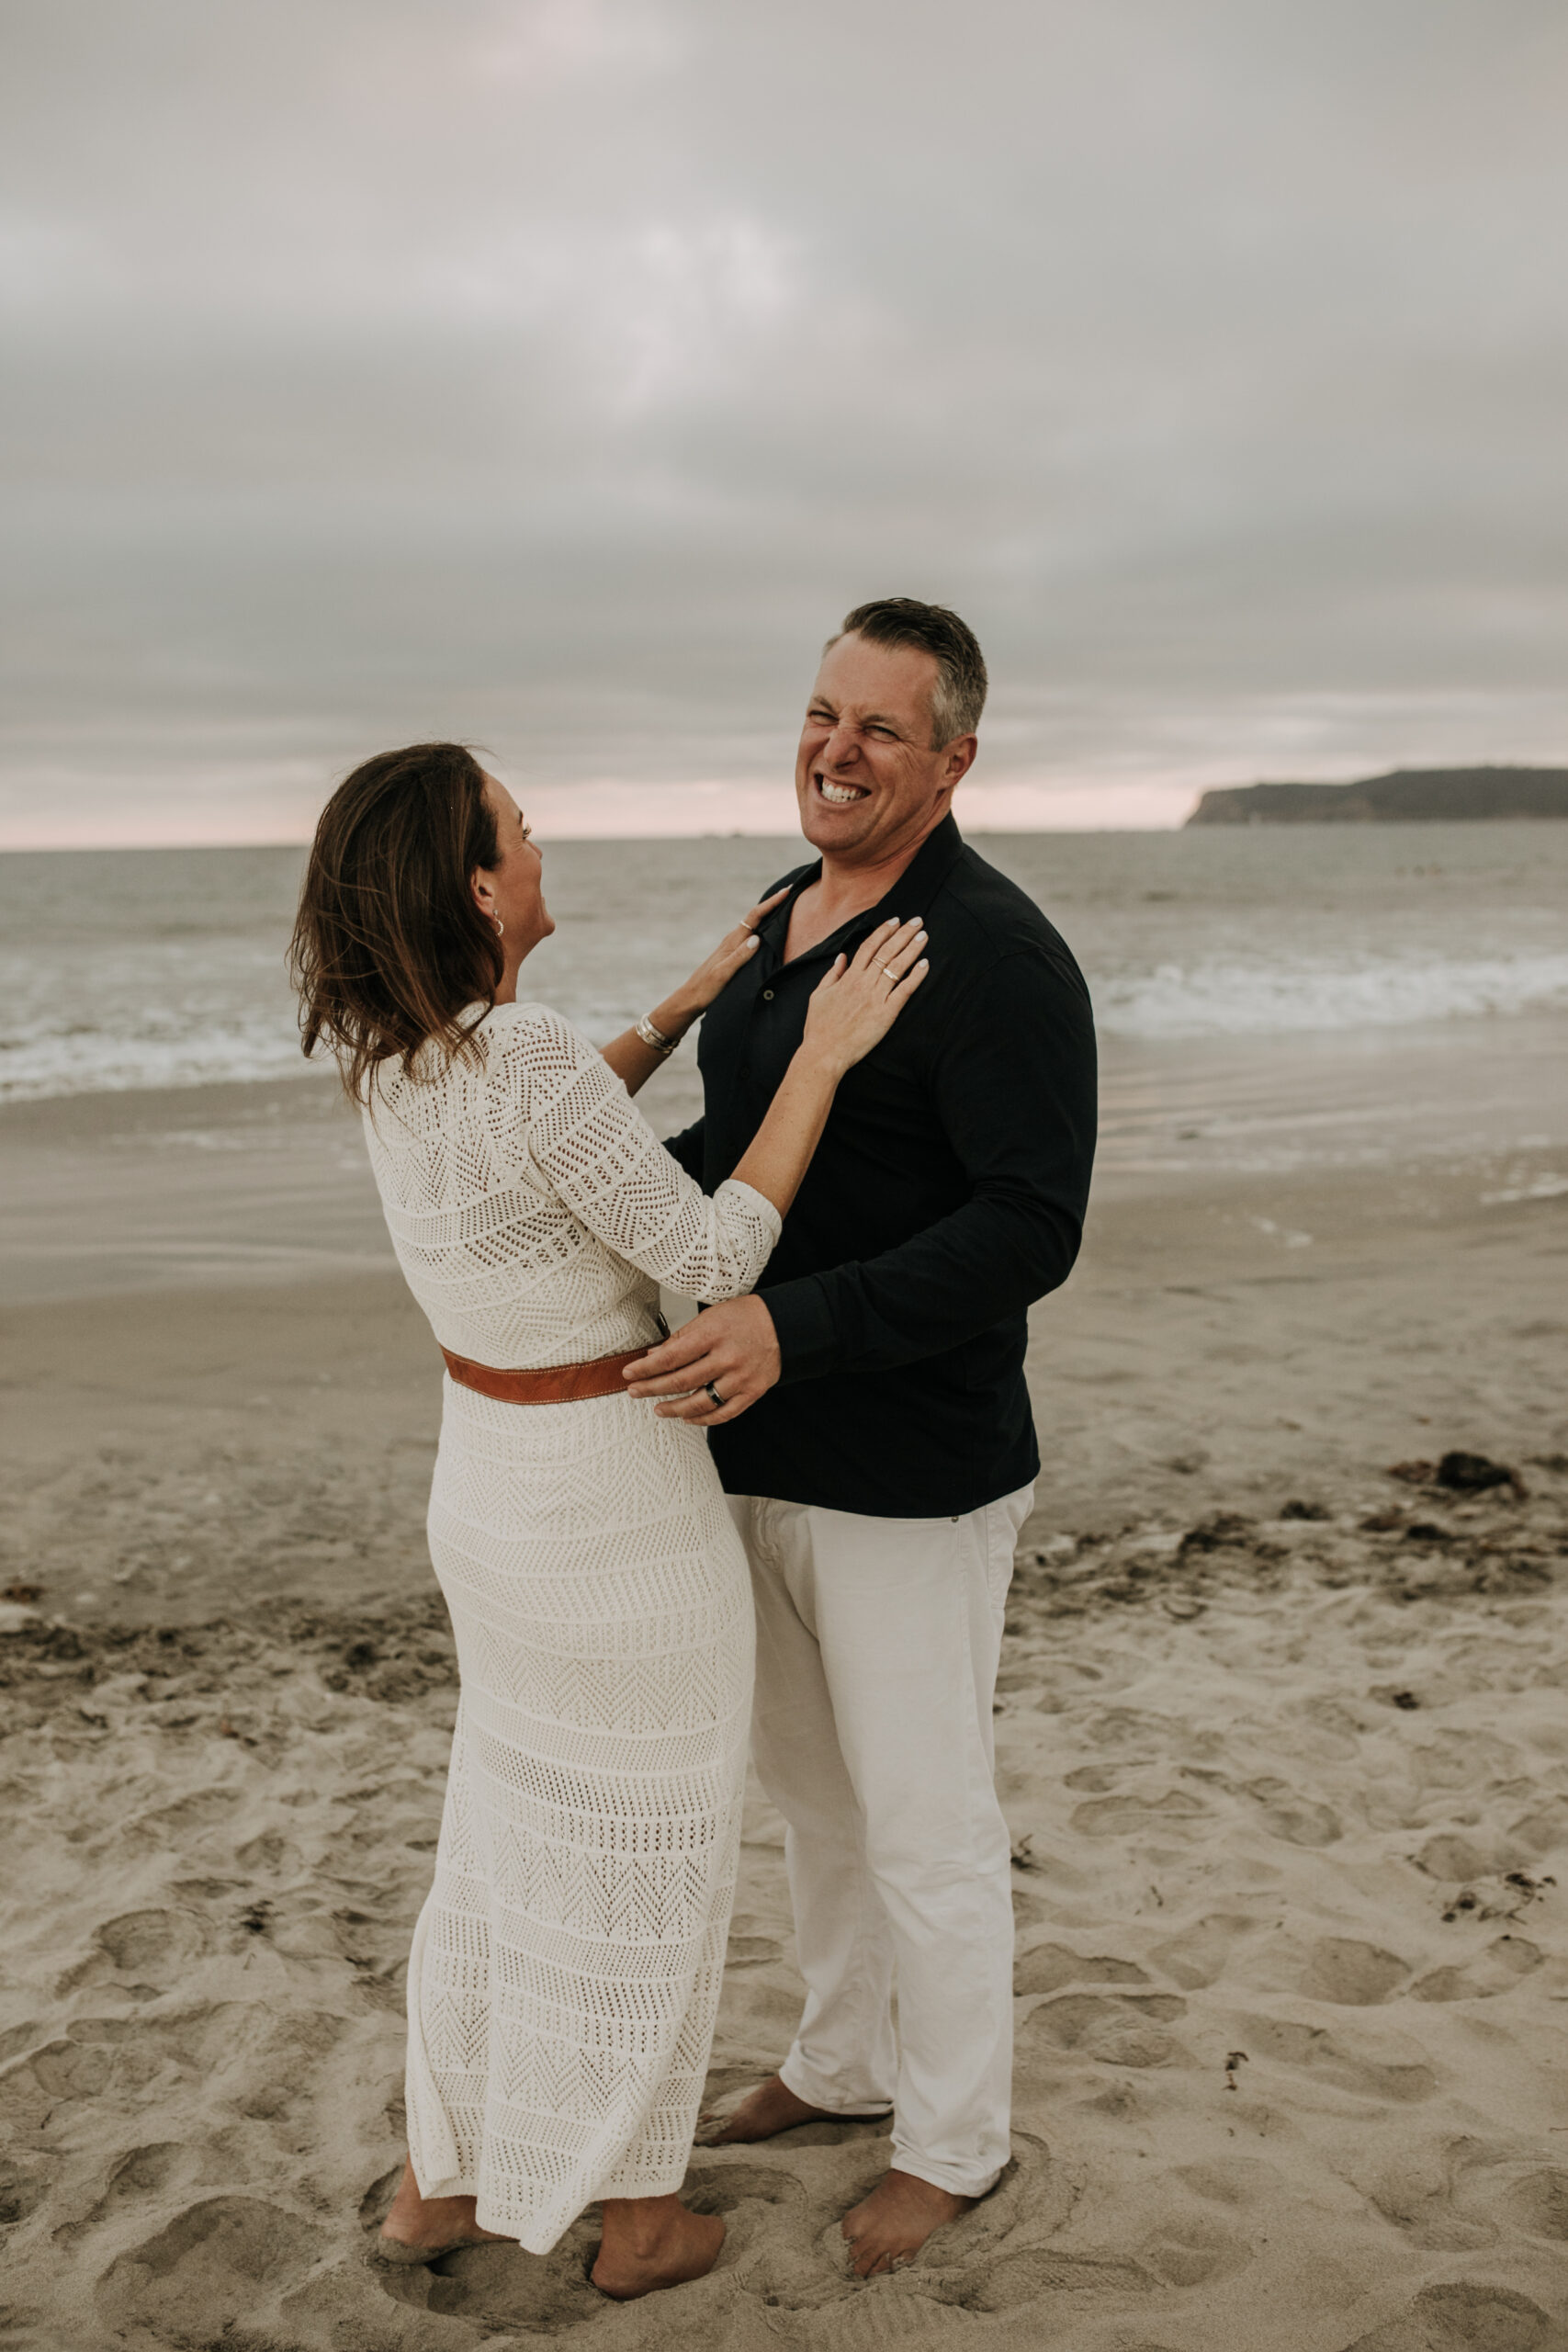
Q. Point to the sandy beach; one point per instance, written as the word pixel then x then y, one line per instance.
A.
pixel 1281 1740
pixel 588 397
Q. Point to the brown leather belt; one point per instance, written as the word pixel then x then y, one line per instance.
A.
pixel 561 1384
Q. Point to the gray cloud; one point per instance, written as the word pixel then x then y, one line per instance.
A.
pixel 557 373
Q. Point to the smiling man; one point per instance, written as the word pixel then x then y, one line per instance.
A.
pixel 870 1417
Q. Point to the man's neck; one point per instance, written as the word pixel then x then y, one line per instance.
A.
pixel 844 890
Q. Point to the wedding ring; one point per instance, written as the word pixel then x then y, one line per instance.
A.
pixel 713 1392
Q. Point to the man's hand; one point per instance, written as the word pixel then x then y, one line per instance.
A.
pixel 733 1346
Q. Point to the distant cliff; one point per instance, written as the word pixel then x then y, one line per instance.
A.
pixel 1408 793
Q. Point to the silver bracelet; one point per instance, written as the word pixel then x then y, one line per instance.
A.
pixel 655 1039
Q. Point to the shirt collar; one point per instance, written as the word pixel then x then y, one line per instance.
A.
pixel 910 894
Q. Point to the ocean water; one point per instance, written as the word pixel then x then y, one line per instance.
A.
pixel 126 969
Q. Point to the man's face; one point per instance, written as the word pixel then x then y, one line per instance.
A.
pixel 867 780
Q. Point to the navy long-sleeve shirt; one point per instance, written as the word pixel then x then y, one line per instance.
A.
pixel 947 1194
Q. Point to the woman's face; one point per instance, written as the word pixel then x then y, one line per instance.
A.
pixel 514 887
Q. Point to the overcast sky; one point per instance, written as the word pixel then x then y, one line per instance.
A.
pixel 554 373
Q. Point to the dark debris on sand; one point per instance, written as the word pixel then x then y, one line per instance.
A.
pixel 1461 1474
pixel 396 1655
pixel 1478 1532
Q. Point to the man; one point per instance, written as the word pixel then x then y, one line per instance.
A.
pixel 870 1418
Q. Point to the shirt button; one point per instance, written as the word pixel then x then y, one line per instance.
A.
pixel 768 995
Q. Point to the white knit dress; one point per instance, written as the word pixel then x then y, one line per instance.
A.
pixel 566 1968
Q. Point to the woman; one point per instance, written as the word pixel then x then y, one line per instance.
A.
pixel 565 1970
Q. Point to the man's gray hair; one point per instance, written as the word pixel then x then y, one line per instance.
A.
pixel 959 695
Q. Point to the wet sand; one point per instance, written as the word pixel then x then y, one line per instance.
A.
pixel 1281 1739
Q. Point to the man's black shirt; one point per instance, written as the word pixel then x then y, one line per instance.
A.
pixel 947 1193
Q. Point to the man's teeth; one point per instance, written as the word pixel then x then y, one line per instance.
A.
pixel 842 793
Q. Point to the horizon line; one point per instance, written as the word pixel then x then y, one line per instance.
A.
pixel 714 833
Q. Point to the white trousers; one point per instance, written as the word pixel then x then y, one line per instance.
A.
pixel 878 1644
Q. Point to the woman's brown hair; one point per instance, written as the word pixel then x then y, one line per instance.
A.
pixel 389 948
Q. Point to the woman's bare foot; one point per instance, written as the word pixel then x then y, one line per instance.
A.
pixel 429 2225
pixel 773 2106
pixel 651 2242
pixel 891 2225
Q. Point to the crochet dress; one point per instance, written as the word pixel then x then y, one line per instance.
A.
pixel 565 1970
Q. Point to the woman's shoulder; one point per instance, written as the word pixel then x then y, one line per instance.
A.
pixel 534 1034
pixel 491 1035
pixel 529 1019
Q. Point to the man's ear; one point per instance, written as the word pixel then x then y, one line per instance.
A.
pixel 960 758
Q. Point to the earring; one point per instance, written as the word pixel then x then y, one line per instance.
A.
pixel 499 927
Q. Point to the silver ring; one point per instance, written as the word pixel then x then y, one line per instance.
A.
pixel 713 1392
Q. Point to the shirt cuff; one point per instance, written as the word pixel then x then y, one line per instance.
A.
pixel 803 1319
pixel 760 1205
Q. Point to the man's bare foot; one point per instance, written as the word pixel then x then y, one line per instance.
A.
pixel 651 2242
pixel 889 2227
pixel 773 2106
pixel 425 2226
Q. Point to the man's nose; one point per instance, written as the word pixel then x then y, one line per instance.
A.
pixel 839 749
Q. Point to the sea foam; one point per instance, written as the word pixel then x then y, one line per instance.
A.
pixel 1217 997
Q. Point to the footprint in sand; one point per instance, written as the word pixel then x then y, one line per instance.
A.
pixel 1189 2253
pixel 215 2257
pixel 1463 2318
pixel 260 2055
pixel 499 2286
pixel 271 1853
pixel 67 2070
pixel 28 2035
pixel 23 2189
pixel 179 1825
pixel 1024 2277
pixel 1117 2029
pixel 1048 1967
pixel 95 2057
pixel 1356 1975
pixel 1200 1954
pixel 1458 1859
pixel 1235 2182
pixel 140 2173
pixel 1464 1763
pixel 1121 1816
pixel 1420 2193
pixel 1310 2050
pixel 1544 1830
pixel 1539 2204
pixel 1130 1727
pixel 152 1945
pixel 722 2188
pixel 1294 1818
pixel 1496 1970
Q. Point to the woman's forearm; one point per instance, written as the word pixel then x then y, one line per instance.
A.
pixel 633 1061
pixel 780 1152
